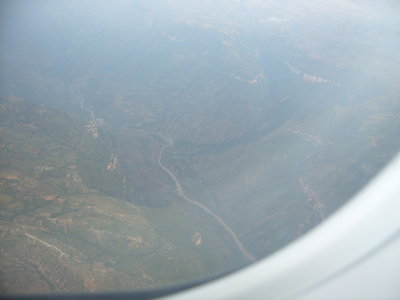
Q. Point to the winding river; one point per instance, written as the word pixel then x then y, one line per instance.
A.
pixel 204 208
pixel 179 189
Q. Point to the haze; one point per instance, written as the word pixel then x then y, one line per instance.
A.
pixel 152 143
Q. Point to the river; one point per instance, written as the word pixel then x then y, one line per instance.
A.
pixel 179 189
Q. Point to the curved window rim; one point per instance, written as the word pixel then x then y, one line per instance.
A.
pixel 355 231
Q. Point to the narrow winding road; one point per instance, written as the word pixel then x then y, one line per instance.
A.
pixel 181 193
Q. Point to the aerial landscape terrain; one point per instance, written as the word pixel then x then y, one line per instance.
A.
pixel 146 144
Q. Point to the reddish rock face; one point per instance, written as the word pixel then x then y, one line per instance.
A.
pixel 145 144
